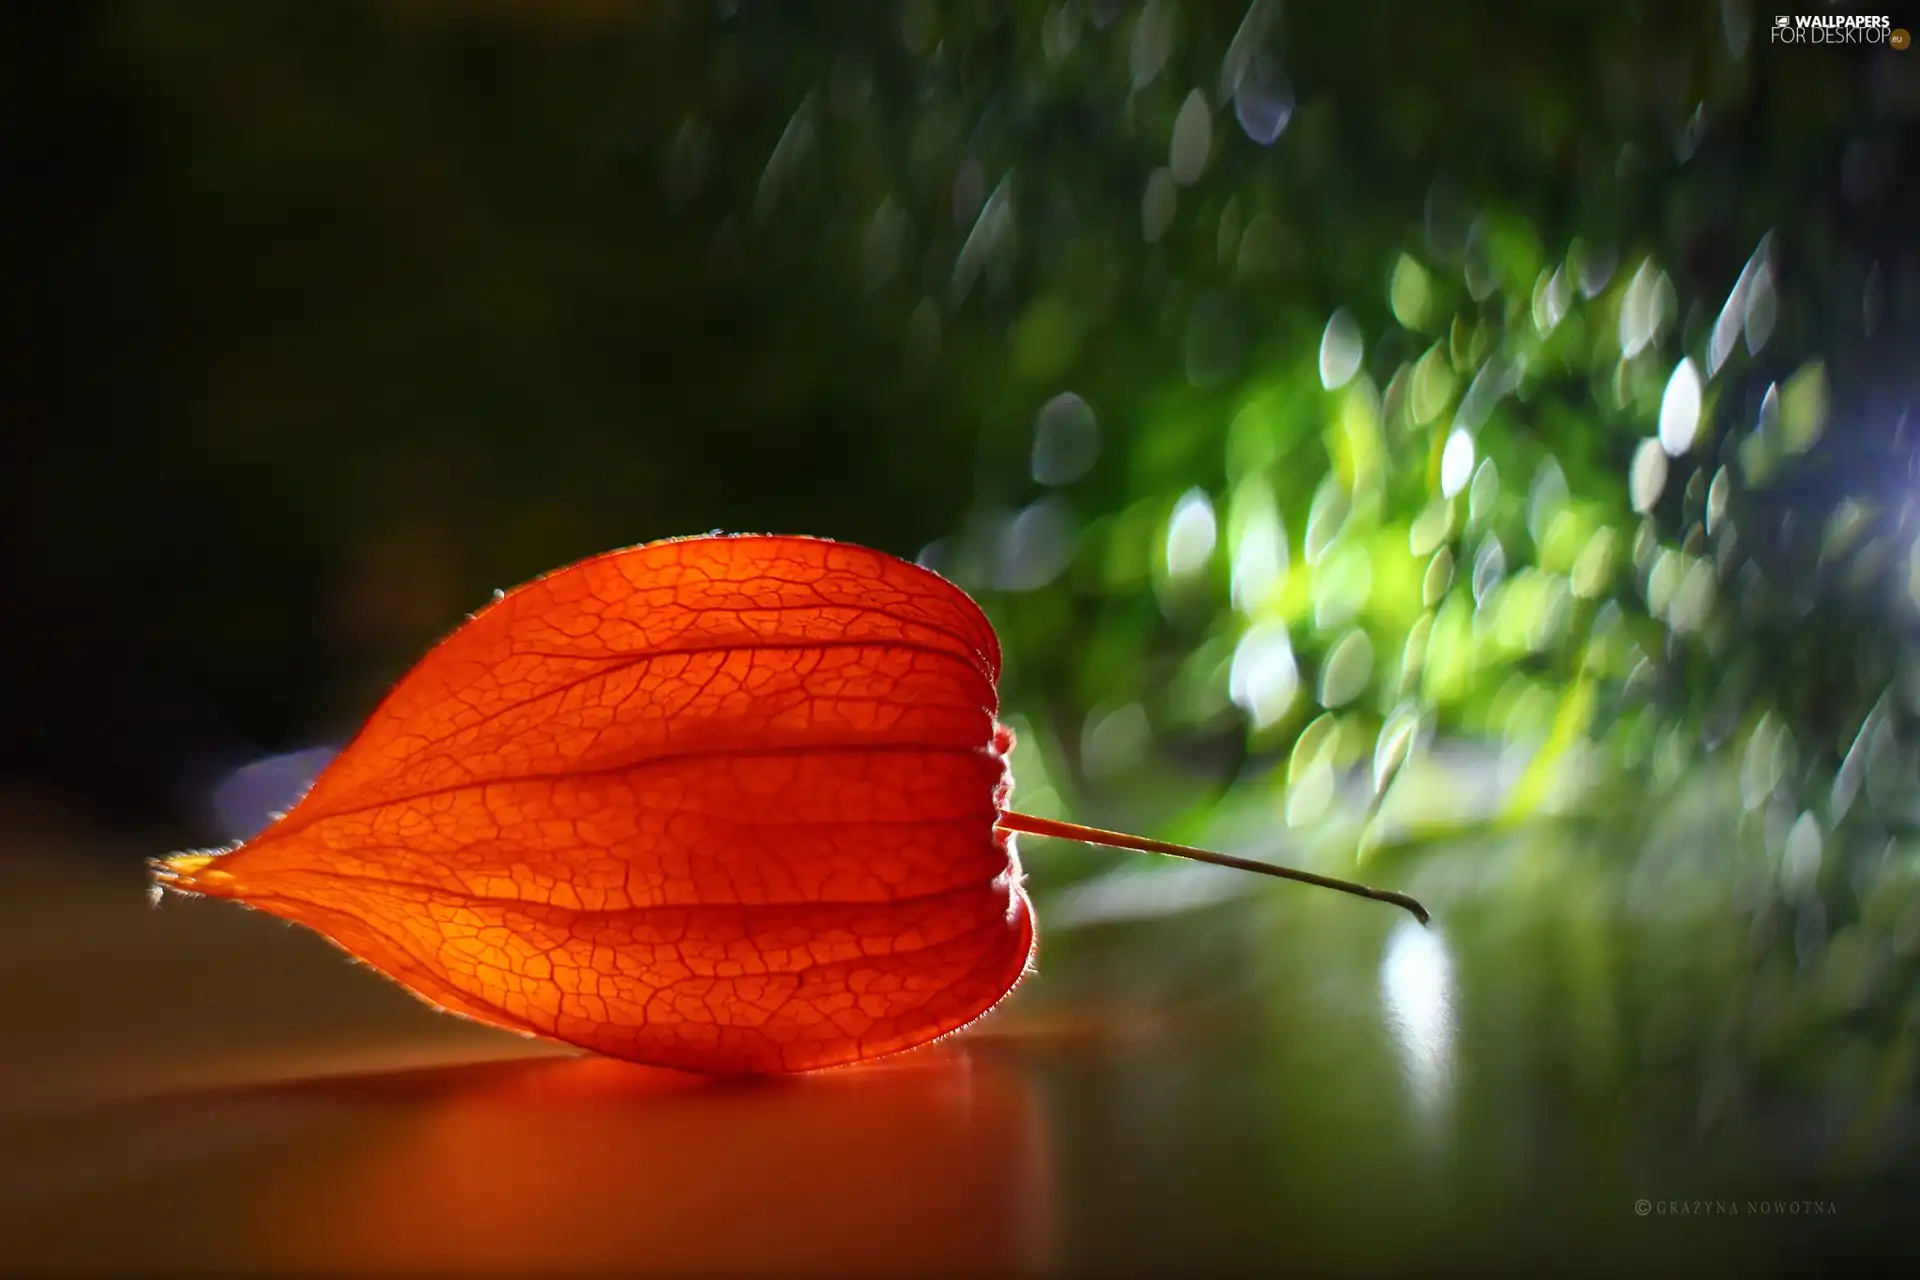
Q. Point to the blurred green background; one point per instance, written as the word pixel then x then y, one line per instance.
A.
pixel 1465 447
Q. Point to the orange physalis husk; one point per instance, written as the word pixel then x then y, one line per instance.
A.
pixel 726 804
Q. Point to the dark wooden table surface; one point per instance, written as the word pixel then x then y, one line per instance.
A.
pixel 1269 1081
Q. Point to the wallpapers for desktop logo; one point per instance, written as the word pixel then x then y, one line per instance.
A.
pixel 1838 28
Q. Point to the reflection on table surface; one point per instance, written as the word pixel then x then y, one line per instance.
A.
pixel 1257 1081
pixel 566 1164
